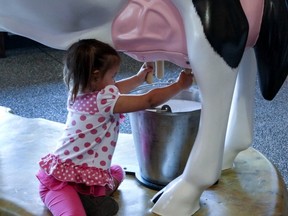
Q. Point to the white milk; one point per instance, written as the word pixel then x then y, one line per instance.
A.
pixel 178 105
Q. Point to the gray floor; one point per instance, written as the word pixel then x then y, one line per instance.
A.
pixel 31 85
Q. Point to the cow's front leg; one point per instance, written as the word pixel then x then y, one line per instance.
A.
pixel 240 126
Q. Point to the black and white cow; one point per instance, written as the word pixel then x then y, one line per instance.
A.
pixel 225 42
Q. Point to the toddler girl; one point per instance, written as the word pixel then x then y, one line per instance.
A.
pixel 77 178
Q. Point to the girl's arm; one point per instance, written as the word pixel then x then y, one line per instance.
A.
pixel 153 98
pixel 127 85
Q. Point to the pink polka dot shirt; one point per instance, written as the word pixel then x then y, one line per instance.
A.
pixel 85 150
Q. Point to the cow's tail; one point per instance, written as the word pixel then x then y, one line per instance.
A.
pixel 272 47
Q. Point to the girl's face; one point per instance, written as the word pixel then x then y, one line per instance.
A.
pixel 109 77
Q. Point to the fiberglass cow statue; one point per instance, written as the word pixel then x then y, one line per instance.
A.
pixel 225 42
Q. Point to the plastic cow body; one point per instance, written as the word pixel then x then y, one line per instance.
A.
pixel 224 42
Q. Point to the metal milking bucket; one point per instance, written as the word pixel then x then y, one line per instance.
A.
pixel 164 138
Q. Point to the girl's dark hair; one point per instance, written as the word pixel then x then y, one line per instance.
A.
pixel 82 59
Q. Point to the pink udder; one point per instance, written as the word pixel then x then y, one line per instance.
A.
pixel 150 30
pixel 253 10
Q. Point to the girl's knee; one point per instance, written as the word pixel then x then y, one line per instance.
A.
pixel 42 192
pixel 64 202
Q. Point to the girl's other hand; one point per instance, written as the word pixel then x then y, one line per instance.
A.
pixel 185 80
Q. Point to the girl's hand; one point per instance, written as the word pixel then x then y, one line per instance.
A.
pixel 144 71
pixel 130 83
pixel 185 80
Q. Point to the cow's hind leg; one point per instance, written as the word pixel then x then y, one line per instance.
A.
pixel 240 126
pixel 214 58
pixel 203 168
pixel 216 82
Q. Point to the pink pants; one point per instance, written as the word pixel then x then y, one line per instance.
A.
pixel 66 201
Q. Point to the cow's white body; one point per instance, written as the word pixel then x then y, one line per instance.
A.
pixel 224 90
pixel 58 24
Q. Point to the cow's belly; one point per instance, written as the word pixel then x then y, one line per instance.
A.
pixel 58 24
